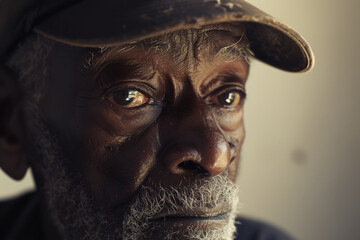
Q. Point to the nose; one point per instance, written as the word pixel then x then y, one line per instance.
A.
pixel 187 159
pixel 197 144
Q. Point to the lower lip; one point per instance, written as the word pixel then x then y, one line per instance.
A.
pixel 217 220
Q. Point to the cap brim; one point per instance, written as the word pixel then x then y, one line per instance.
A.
pixel 95 23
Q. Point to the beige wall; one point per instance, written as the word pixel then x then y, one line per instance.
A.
pixel 301 158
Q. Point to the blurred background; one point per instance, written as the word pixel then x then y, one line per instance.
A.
pixel 301 158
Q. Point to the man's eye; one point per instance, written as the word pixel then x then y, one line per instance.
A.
pixel 129 98
pixel 228 99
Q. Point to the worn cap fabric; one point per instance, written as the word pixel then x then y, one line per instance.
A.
pixel 95 23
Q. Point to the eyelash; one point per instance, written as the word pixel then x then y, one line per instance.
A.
pixel 213 98
pixel 227 88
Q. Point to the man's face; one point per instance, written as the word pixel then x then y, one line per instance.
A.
pixel 141 124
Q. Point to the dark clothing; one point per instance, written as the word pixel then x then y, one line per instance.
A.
pixel 254 230
pixel 20 219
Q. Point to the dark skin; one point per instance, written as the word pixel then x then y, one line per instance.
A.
pixel 121 126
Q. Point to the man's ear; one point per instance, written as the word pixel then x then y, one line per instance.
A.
pixel 13 158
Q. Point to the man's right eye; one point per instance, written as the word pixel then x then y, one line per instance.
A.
pixel 129 98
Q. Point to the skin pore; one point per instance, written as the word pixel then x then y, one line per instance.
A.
pixel 140 137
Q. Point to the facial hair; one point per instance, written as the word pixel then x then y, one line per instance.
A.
pixel 76 216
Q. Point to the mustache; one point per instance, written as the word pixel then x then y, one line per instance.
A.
pixel 202 198
pixel 208 197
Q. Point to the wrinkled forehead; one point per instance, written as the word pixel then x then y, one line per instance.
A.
pixel 228 39
pixel 209 38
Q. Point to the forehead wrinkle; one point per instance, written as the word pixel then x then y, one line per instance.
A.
pixel 139 68
pixel 104 57
pixel 187 47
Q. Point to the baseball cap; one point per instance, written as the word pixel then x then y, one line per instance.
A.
pixel 95 23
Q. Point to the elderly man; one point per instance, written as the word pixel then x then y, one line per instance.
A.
pixel 130 115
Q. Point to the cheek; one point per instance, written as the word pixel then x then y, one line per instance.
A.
pixel 118 151
pixel 230 120
pixel 236 137
pixel 113 174
pixel 123 121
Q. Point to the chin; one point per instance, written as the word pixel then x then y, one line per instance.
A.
pixel 190 228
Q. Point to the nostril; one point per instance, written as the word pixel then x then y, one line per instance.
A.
pixel 192 167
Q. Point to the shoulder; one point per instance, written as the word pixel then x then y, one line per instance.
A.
pixel 19 216
pixel 249 229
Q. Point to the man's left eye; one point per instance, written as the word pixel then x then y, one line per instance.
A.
pixel 228 99
pixel 129 98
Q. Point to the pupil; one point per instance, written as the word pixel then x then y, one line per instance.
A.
pixel 124 97
pixel 227 98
